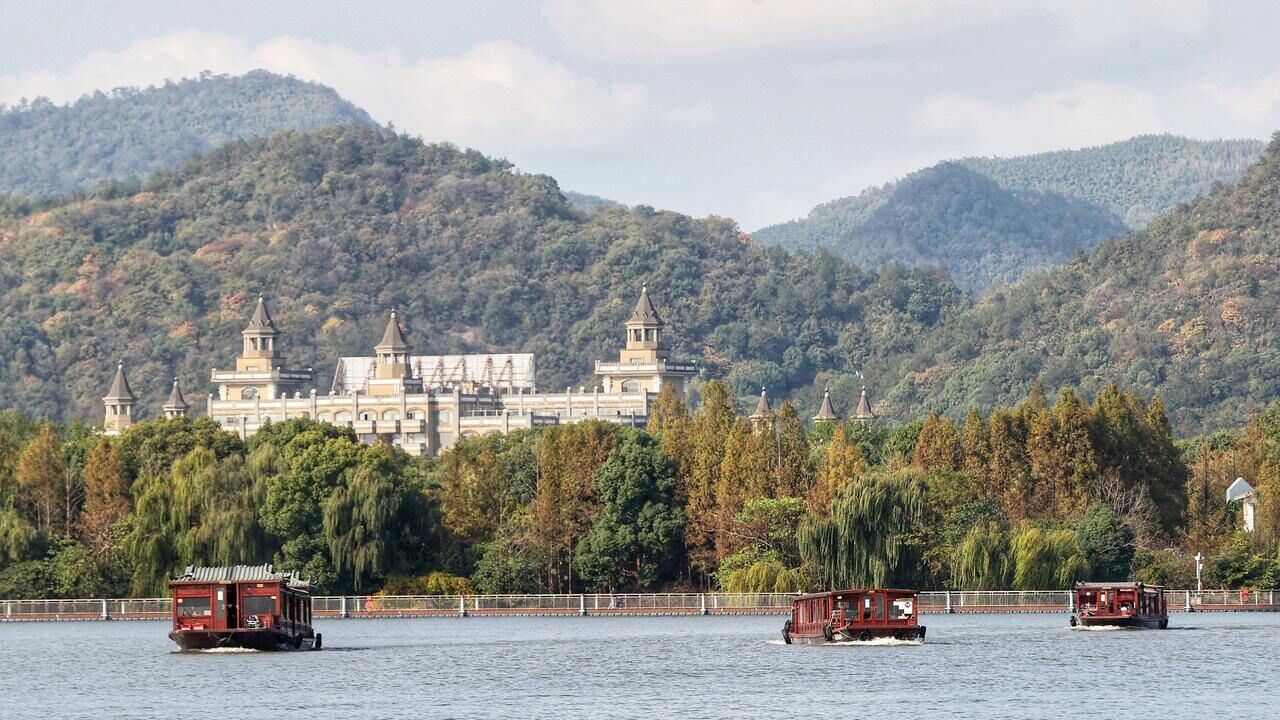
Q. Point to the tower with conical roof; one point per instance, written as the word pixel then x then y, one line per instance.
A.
pixel 645 363
pixel 826 413
pixel 119 402
pixel 393 370
pixel 260 371
pixel 864 414
pixel 762 418
pixel 176 406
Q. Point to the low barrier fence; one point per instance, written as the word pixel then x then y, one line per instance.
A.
pixel 373 606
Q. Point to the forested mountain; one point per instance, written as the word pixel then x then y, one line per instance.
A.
pixel 950 215
pixel 990 220
pixel 48 149
pixel 1136 179
pixel 590 203
pixel 1184 309
pixel 338 225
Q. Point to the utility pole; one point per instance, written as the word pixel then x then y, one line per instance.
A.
pixel 1199 567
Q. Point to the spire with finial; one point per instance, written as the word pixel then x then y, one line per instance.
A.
pixel 864 414
pixel 826 413
pixel 118 403
pixel 120 390
pixel 762 407
pixel 176 406
pixel 392 338
pixel 261 319
pixel 644 311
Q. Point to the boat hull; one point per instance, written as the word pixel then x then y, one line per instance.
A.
pixel 860 635
pixel 267 639
pixel 1125 621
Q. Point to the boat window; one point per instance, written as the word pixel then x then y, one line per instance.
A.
pixel 259 605
pixel 879 607
pixel 902 609
pixel 194 607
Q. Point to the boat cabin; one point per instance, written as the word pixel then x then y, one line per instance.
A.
pixel 854 615
pixel 1121 604
pixel 230 604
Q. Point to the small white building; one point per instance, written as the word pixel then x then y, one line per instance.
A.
pixel 1241 490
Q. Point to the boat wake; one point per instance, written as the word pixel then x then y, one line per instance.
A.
pixel 884 642
pixel 223 651
pixel 1103 628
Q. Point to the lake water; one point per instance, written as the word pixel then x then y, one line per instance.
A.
pixel 1208 665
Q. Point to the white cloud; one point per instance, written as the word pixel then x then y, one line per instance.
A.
pixel 1253 104
pixel 497 96
pixel 1086 113
pixel 658 31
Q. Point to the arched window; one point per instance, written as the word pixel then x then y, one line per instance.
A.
pixel 444 416
pixel 630 386
pixel 342 417
pixel 368 416
pixel 416 415
pixel 249 394
pixel 324 417
pixel 391 415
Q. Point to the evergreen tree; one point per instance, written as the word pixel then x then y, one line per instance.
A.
pixel 842 464
pixel 792 476
pixel 711 427
pixel 106 495
pixel 40 477
pixel 938 447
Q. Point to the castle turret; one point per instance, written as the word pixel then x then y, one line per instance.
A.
pixel 176 406
pixel 119 402
pixel 864 414
pixel 393 370
pixel 762 418
pixel 259 369
pixel 644 364
pixel 826 413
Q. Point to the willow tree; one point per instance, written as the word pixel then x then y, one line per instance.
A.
pixel 149 546
pixel 981 560
pixel 1046 559
pixel 16 535
pixel 359 519
pixel 865 542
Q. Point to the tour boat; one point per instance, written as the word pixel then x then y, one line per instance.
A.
pixel 1128 604
pixel 843 615
pixel 241 607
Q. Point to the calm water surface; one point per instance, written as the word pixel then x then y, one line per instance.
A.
pixel 973 666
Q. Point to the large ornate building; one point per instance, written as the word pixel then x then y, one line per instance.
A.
pixel 420 403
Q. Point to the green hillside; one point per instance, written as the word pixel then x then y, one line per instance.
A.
pixel 1136 179
pixel 952 216
pixel 1184 308
pixel 48 149
pixel 991 220
pixel 337 226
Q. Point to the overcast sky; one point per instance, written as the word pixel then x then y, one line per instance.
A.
pixel 755 110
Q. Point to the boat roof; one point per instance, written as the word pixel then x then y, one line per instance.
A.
pixel 1117 585
pixel 240 573
pixel 851 591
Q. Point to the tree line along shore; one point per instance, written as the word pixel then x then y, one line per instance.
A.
pixel 1034 496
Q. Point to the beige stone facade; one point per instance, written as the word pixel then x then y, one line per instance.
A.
pixel 424 404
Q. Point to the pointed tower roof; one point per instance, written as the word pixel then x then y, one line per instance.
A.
pixel 261 320
pixel 120 390
pixel 826 413
pixel 644 311
pixel 864 408
pixel 762 407
pixel 392 338
pixel 176 401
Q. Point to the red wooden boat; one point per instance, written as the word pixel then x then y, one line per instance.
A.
pixel 842 615
pixel 243 607
pixel 1129 604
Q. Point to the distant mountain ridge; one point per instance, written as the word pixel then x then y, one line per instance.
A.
pixel 1136 178
pixel 1183 309
pixel 992 220
pixel 48 149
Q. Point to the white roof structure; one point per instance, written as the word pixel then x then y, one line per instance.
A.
pixel 1239 489
pixel 509 371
